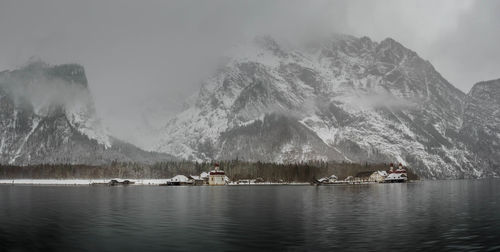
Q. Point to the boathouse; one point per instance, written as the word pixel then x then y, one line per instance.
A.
pixel 180 179
pixel 196 180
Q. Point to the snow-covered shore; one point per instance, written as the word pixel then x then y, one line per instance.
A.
pixel 266 183
pixel 104 181
pixel 78 181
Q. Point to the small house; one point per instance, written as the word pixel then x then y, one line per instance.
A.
pixel 378 176
pixel 181 179
pixel 196 180
pixel 331 179
pixel 204 176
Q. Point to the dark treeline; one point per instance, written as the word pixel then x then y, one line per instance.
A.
pixel 273 172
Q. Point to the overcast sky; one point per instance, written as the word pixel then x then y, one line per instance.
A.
pixel 145 55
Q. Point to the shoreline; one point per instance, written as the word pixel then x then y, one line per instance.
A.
pixel 89 182
pixel 154 182
pixel 76 181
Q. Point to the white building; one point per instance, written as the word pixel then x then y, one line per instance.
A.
pixel 204 175
pixel 378 176
pixel 331 179
pixel 216 176
pixel 397 176
pixel 180 178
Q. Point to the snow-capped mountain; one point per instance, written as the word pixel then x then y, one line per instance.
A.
pixel 343 98
pixel 47 115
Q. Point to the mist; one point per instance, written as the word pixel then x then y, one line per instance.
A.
pixel 32 88
pixel 144 59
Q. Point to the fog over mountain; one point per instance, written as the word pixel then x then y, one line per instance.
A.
pixel 281 81
pixel 47 115
pixel 340 98
pixel 144 59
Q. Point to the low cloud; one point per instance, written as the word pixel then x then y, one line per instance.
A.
pixel 30 86
pixel 146 57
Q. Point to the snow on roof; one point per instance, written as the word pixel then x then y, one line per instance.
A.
pixel 323 179
pixel 195 177
pixel 180 178
pixel 382 173
pixel 204 175
pixel 396 176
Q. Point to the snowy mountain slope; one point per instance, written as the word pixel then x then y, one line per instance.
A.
pixel 364 101
pixel 481 129
pixel 47 115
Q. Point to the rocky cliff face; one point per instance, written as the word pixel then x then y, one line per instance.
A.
pixel 342 98
pixel 481 128
pixel 47 115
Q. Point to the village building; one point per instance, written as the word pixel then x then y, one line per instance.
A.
pixel 323 180
pixel 204 176
pixel 245 181
pixel 378 176
pixel 217 176
pixel 363 176
pixel 396 176
pixel 180 179
pixel 196 180
pixel 331 179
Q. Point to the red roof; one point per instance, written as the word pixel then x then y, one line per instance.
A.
pixel 217 173
pixel 398 171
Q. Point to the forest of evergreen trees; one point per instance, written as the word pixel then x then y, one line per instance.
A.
pixel 272 172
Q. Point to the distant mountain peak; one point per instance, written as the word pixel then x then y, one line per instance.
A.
pixel 342 98
pixel 487 85
pixel 47 115
pixel 36 68
pixel 486 90
pixel 269 43
pixel 481 124
pixel 73 73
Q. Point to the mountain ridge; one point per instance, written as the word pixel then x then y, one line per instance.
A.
pixel 343 98
pixel 48 116
pixel 481 129
pixel 367 101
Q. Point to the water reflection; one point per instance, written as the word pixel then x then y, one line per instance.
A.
pixel 445 215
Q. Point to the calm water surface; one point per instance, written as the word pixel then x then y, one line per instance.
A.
pixel 445 215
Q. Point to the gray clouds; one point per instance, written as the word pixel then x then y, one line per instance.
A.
pixel 144 58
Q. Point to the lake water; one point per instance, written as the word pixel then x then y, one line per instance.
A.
pixel 445 215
